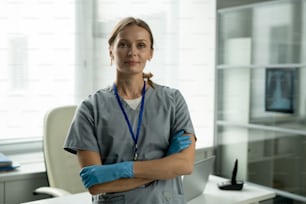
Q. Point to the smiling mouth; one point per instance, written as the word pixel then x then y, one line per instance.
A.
pixel 131 62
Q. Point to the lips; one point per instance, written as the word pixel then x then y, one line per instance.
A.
pixel 131 62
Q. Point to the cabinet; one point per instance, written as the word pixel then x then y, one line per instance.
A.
pixel 269 141
pixel 19 191
pixel 1 193
pixel 18 186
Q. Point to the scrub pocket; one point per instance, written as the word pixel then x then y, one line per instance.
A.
pixel 108 199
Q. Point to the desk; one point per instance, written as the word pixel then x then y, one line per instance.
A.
pixel 250 194
pixel 24 180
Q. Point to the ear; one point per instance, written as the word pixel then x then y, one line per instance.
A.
pixel 151 55
pixel 110 53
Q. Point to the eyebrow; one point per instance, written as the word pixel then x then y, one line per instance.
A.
pixel 139 40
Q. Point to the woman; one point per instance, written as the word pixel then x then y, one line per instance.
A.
pixel 134 139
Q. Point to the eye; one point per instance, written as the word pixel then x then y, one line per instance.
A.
pixel 122 45
pixel 141 45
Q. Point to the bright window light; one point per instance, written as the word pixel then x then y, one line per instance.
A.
pixel 37 62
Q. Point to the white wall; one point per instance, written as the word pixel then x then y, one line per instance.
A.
pixel 197 65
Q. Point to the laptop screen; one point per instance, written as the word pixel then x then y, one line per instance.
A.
pixel 194 184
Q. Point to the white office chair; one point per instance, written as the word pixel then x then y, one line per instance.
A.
pixel 62 167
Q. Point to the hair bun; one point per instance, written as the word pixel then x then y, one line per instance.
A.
pixel 148 76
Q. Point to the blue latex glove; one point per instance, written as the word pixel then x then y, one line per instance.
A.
pixel 98 174
pixel 179 142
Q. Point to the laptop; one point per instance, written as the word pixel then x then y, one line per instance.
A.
pixel 195 183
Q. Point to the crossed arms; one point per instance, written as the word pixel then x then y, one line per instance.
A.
pixel 143 172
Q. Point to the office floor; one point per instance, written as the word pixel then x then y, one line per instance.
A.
pixel 282 200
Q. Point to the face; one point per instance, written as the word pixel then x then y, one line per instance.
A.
pixel 131 50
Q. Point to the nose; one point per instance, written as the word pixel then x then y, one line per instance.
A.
pixel 132 51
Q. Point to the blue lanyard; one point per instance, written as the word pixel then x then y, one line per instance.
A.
pixel 134 137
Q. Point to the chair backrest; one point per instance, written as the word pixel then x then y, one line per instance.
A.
pixel 62 167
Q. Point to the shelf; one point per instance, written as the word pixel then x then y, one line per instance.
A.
pixel 261 117
pixel 269 158
pixel 262 127
pixel 260 66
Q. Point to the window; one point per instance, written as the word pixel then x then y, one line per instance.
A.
pixel 37 60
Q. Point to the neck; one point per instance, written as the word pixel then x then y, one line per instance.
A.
pixel 130 88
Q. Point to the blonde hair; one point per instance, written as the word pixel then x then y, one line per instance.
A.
pixel 133 21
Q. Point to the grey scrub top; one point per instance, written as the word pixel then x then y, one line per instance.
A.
pixel 99 125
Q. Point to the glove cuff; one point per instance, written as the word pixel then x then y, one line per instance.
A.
pixel 128 170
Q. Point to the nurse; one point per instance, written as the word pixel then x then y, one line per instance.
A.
pixel 135 138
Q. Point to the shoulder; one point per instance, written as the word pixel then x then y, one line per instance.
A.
pixel 167 91
pixel 98 98
pixel 102 94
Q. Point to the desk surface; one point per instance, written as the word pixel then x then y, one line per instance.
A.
pixel 249 194
pixel 31 167
pixel 211 195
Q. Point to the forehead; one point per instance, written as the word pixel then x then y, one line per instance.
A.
pixel 134 32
